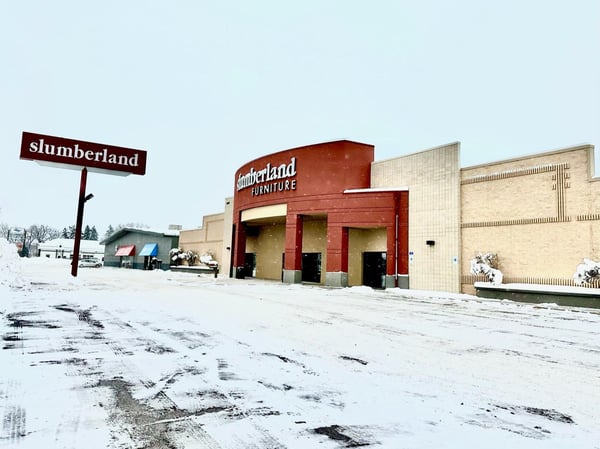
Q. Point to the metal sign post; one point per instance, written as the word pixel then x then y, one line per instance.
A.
pixel 79 223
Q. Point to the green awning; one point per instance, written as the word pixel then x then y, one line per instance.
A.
pixel 149 249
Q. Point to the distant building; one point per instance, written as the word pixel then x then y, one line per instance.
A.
pixel 63 249
pixel 139 248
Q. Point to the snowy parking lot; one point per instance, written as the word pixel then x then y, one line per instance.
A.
pixel 119 358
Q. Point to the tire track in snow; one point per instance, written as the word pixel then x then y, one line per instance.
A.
pixel 14 424
pixel 154 407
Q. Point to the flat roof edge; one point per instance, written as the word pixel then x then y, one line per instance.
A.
pixel 377 189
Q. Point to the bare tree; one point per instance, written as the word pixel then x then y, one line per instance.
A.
pixel 4 227
pixel 13 234
pixel 41 233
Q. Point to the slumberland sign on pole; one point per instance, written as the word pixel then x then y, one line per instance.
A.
pixel 86 156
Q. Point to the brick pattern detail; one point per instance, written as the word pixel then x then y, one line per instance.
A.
pixel 514 222
pixel 560 175
pixel 513 173
pixel 588 217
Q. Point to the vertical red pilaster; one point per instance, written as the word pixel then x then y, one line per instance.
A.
pixel 397 237
pixel 403 232
pixel 392 250
pixel 293 242
pixel 337 249
pixel 239 248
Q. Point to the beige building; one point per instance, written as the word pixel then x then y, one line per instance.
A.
pixel 540 214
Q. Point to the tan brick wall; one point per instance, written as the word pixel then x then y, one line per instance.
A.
pixel 433 180
pixel 207 238
pixel 540 214
pixel 269 248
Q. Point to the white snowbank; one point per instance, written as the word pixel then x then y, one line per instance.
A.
pixel 10 265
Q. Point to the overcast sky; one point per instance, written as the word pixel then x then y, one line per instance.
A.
pixel 205 87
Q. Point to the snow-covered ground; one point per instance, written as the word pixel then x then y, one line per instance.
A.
pixel 120 358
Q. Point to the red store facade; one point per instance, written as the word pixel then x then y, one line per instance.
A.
pixel 309 214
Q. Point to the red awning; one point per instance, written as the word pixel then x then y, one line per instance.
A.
pixel 126 250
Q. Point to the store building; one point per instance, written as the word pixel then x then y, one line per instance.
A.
pixel 330 214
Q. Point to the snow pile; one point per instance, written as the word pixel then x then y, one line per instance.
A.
pixel 10 265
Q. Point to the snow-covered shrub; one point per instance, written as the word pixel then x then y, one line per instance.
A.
pixel 487 264
pixel 587 272
pixel 208 259
pixel 176 255
pixel 191 257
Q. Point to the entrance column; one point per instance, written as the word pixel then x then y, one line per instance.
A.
pixel 239 250
pixel 292 264
pixel 397 244
pixel 337 256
